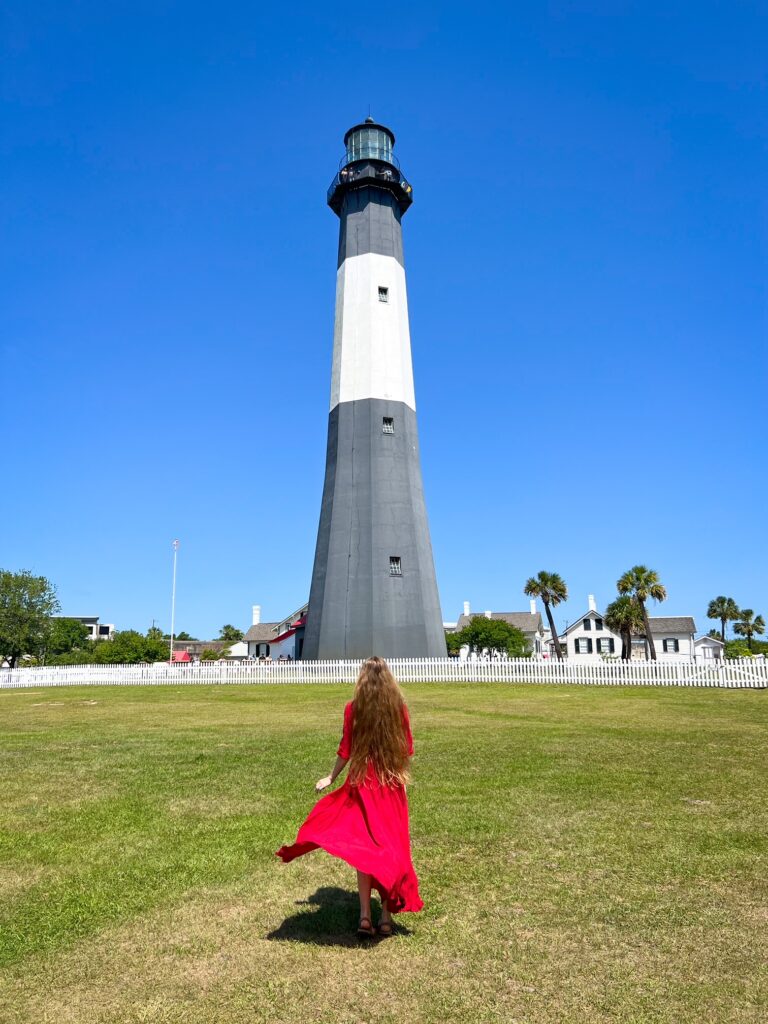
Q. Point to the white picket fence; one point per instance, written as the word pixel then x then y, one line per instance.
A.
pixel 744 672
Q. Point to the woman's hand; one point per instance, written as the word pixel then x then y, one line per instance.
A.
pixel 322 784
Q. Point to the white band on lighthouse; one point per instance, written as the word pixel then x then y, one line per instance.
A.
pixel 371 338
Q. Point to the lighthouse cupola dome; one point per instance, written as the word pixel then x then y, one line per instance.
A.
pixel 369 141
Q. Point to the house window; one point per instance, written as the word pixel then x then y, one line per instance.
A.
pixel 383 294
pixel 587 624
pixel 387 425
pixel 598 623
pixel 605 645
pixel 583 645
pixel 103 630
pixel 671 645
pixel 395 568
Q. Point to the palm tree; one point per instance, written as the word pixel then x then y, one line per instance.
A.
pixel 641 583
pixel 552 590
pixel 623 616
pixel 748 625
pixel 725 609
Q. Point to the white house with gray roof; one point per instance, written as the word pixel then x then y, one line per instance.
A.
pixel 709 649
pixel 589 637
pixel 529 623
pixel 260 635
pixel 276 640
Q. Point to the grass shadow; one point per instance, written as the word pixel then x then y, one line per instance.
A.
pixel 331 922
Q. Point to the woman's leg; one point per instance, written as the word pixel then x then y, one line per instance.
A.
pixel 364 891
pixel 386 916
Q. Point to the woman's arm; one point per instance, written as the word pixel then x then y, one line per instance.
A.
pixel 330 779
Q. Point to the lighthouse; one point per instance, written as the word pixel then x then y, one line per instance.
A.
pixel 373 588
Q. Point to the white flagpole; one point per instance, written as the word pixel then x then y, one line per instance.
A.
pixel 173 598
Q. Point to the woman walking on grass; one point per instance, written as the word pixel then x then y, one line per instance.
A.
pixel 365 821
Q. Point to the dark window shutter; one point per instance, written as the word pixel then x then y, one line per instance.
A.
pixel 589 645
pixel 611 645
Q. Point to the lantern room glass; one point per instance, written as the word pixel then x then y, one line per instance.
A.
pixel 369 144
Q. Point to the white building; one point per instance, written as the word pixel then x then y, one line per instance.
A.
pixel 237 651
pixel 589 637
pixel 260 635
pixel 529 623
pixel 708 650
pixel 276 640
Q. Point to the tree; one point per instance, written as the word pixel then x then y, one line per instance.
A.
pixel 66 635
pixel 641 583
pixel 210 654
pixel 623 616
pixel 231 634
pixel 737 649
pixel 452 643
pixel 27 603
pixel 749 625
pixel 725 609
pixel 483 634
pixel 552 590
pixel 129 647
pixel 179 636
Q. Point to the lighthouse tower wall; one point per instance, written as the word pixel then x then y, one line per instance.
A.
pixel 373 584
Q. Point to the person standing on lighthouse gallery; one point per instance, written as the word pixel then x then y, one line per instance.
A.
pixel 365 821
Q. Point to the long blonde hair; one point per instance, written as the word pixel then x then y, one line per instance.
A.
pixel 378 728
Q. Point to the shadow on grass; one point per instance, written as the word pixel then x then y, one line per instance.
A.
pixel 333 922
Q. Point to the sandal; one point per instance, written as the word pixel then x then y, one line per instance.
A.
pixel 390 927
pixel 368 931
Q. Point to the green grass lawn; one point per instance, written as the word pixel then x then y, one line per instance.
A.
pixel 585 855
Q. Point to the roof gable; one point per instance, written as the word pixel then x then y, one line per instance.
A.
pixel 589 614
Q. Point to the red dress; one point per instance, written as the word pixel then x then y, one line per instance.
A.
pixel 367 826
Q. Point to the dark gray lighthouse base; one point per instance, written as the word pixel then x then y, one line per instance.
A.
pixel 372 512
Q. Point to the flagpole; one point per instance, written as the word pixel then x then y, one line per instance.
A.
pixel 173 599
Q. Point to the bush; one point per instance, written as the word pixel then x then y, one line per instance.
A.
pixel 737 649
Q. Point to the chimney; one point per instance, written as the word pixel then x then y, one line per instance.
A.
pixel 256 614
pixel 533 606
pixel 466 608
pixel 592 605
pixel 487 615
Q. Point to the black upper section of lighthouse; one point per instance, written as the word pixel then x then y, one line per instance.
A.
pixel 369 162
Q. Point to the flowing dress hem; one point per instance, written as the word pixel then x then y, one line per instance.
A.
pixel 398 899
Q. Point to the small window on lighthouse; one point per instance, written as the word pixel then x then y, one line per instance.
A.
pixel 387 425
pixel 395 568
pixel 383 294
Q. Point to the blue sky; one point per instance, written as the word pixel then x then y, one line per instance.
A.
pixel 586 259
